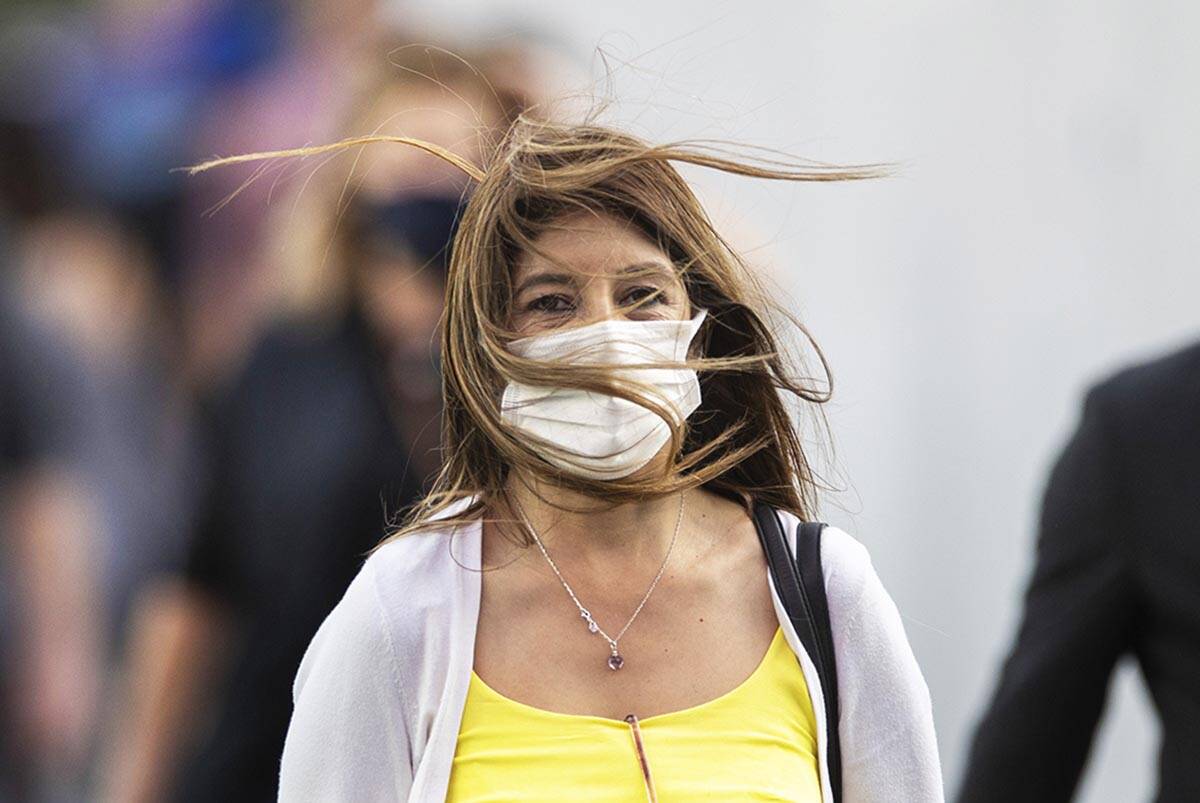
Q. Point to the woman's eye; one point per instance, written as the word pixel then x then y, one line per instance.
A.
pixel 549 303
pixel 650 295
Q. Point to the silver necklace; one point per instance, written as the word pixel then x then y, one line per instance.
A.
pixel 615 659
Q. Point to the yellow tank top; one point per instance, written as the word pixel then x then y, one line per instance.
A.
pixel 755 742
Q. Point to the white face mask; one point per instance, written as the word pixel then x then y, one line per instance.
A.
pixel 608 437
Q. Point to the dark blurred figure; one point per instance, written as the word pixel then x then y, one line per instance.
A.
pixel 48 628
pixel 97 447
pixel 97 102
pixel 1118 573
pixel 89 282
pixel 328 428
pixel 99 480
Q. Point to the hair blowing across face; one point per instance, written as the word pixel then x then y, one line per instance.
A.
pixel 739 443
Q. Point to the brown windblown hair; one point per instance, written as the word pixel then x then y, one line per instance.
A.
pixel 740 442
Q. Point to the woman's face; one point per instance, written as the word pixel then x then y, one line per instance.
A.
pixel 593 267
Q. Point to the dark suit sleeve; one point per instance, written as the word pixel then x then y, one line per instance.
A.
pixel 1079 610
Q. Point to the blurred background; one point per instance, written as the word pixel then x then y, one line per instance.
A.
pixel 156 336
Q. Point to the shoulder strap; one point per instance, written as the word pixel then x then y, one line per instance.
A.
pixel 800 583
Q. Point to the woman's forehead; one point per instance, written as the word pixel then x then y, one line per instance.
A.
pixel 591 244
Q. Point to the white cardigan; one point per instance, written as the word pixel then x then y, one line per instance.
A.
pixel 380 691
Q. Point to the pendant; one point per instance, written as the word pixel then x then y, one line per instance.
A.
pixel 615 661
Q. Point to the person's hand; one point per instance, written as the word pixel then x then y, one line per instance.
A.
pixel 57 698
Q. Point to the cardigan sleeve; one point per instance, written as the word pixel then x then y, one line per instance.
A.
pixel 347 739
pixel 886 729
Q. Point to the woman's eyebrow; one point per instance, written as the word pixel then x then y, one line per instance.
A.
pixel 544 278
pixel 652 267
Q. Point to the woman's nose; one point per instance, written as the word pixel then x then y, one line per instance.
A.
pixel 600 307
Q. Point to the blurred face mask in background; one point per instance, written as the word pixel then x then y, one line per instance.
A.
pixel 423 225
pixel 607 437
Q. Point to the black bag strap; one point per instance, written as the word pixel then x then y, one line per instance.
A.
pixel 800 583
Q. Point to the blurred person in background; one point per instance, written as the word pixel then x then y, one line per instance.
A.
pixel 89 278
pixel 49 628
pixel 1117 574
pixel 97 102
pixel 328 428
pixel 108 469
pixel 99 472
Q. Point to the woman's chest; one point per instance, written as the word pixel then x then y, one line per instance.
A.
pixel 697 637
pixel 706 724
pixel 506 755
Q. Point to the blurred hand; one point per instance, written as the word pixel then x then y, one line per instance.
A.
pixel 174 648
pixel 57 698
pixel 60 658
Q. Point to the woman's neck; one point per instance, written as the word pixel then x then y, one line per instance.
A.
pixel 598 539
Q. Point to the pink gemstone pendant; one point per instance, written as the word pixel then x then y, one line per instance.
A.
pixel 615 661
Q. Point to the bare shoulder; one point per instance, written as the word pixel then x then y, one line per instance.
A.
pixel 733 573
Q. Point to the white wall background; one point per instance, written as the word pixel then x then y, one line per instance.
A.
pixel 1041 235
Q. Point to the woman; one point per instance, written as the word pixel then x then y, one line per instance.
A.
pixel 580 608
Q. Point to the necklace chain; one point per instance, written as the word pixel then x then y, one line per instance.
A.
pixel 615 660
